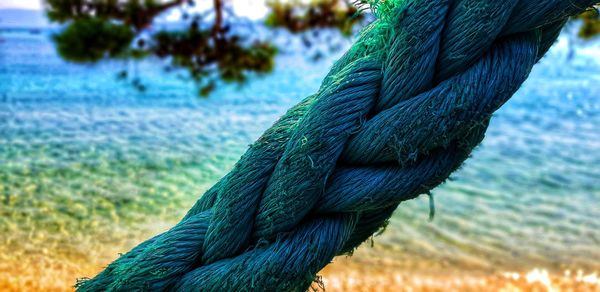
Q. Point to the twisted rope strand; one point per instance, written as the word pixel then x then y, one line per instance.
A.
pixel 395 116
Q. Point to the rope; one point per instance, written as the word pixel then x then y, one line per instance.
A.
pixel 395 116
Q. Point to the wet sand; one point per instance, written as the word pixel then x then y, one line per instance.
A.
pixel 347 274
pixel 54 271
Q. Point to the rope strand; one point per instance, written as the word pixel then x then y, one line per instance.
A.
pixel 395 116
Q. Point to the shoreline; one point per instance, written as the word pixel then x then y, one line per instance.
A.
pixel 347 274
pixel 44 272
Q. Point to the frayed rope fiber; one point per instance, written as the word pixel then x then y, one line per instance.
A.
pixel 395 116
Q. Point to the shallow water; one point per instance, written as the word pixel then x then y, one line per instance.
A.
pixel 89 167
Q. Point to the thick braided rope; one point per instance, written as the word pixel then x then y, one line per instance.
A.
pixel 397 114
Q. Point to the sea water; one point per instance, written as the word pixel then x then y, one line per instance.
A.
pixel 90 166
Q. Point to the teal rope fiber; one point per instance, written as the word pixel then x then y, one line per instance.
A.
pixel 395 116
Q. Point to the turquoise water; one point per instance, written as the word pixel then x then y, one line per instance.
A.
pixel 89 166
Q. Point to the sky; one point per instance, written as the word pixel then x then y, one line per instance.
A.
pixel 253 9
pixel 23 4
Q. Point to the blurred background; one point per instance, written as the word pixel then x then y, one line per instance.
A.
pixel 116 115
